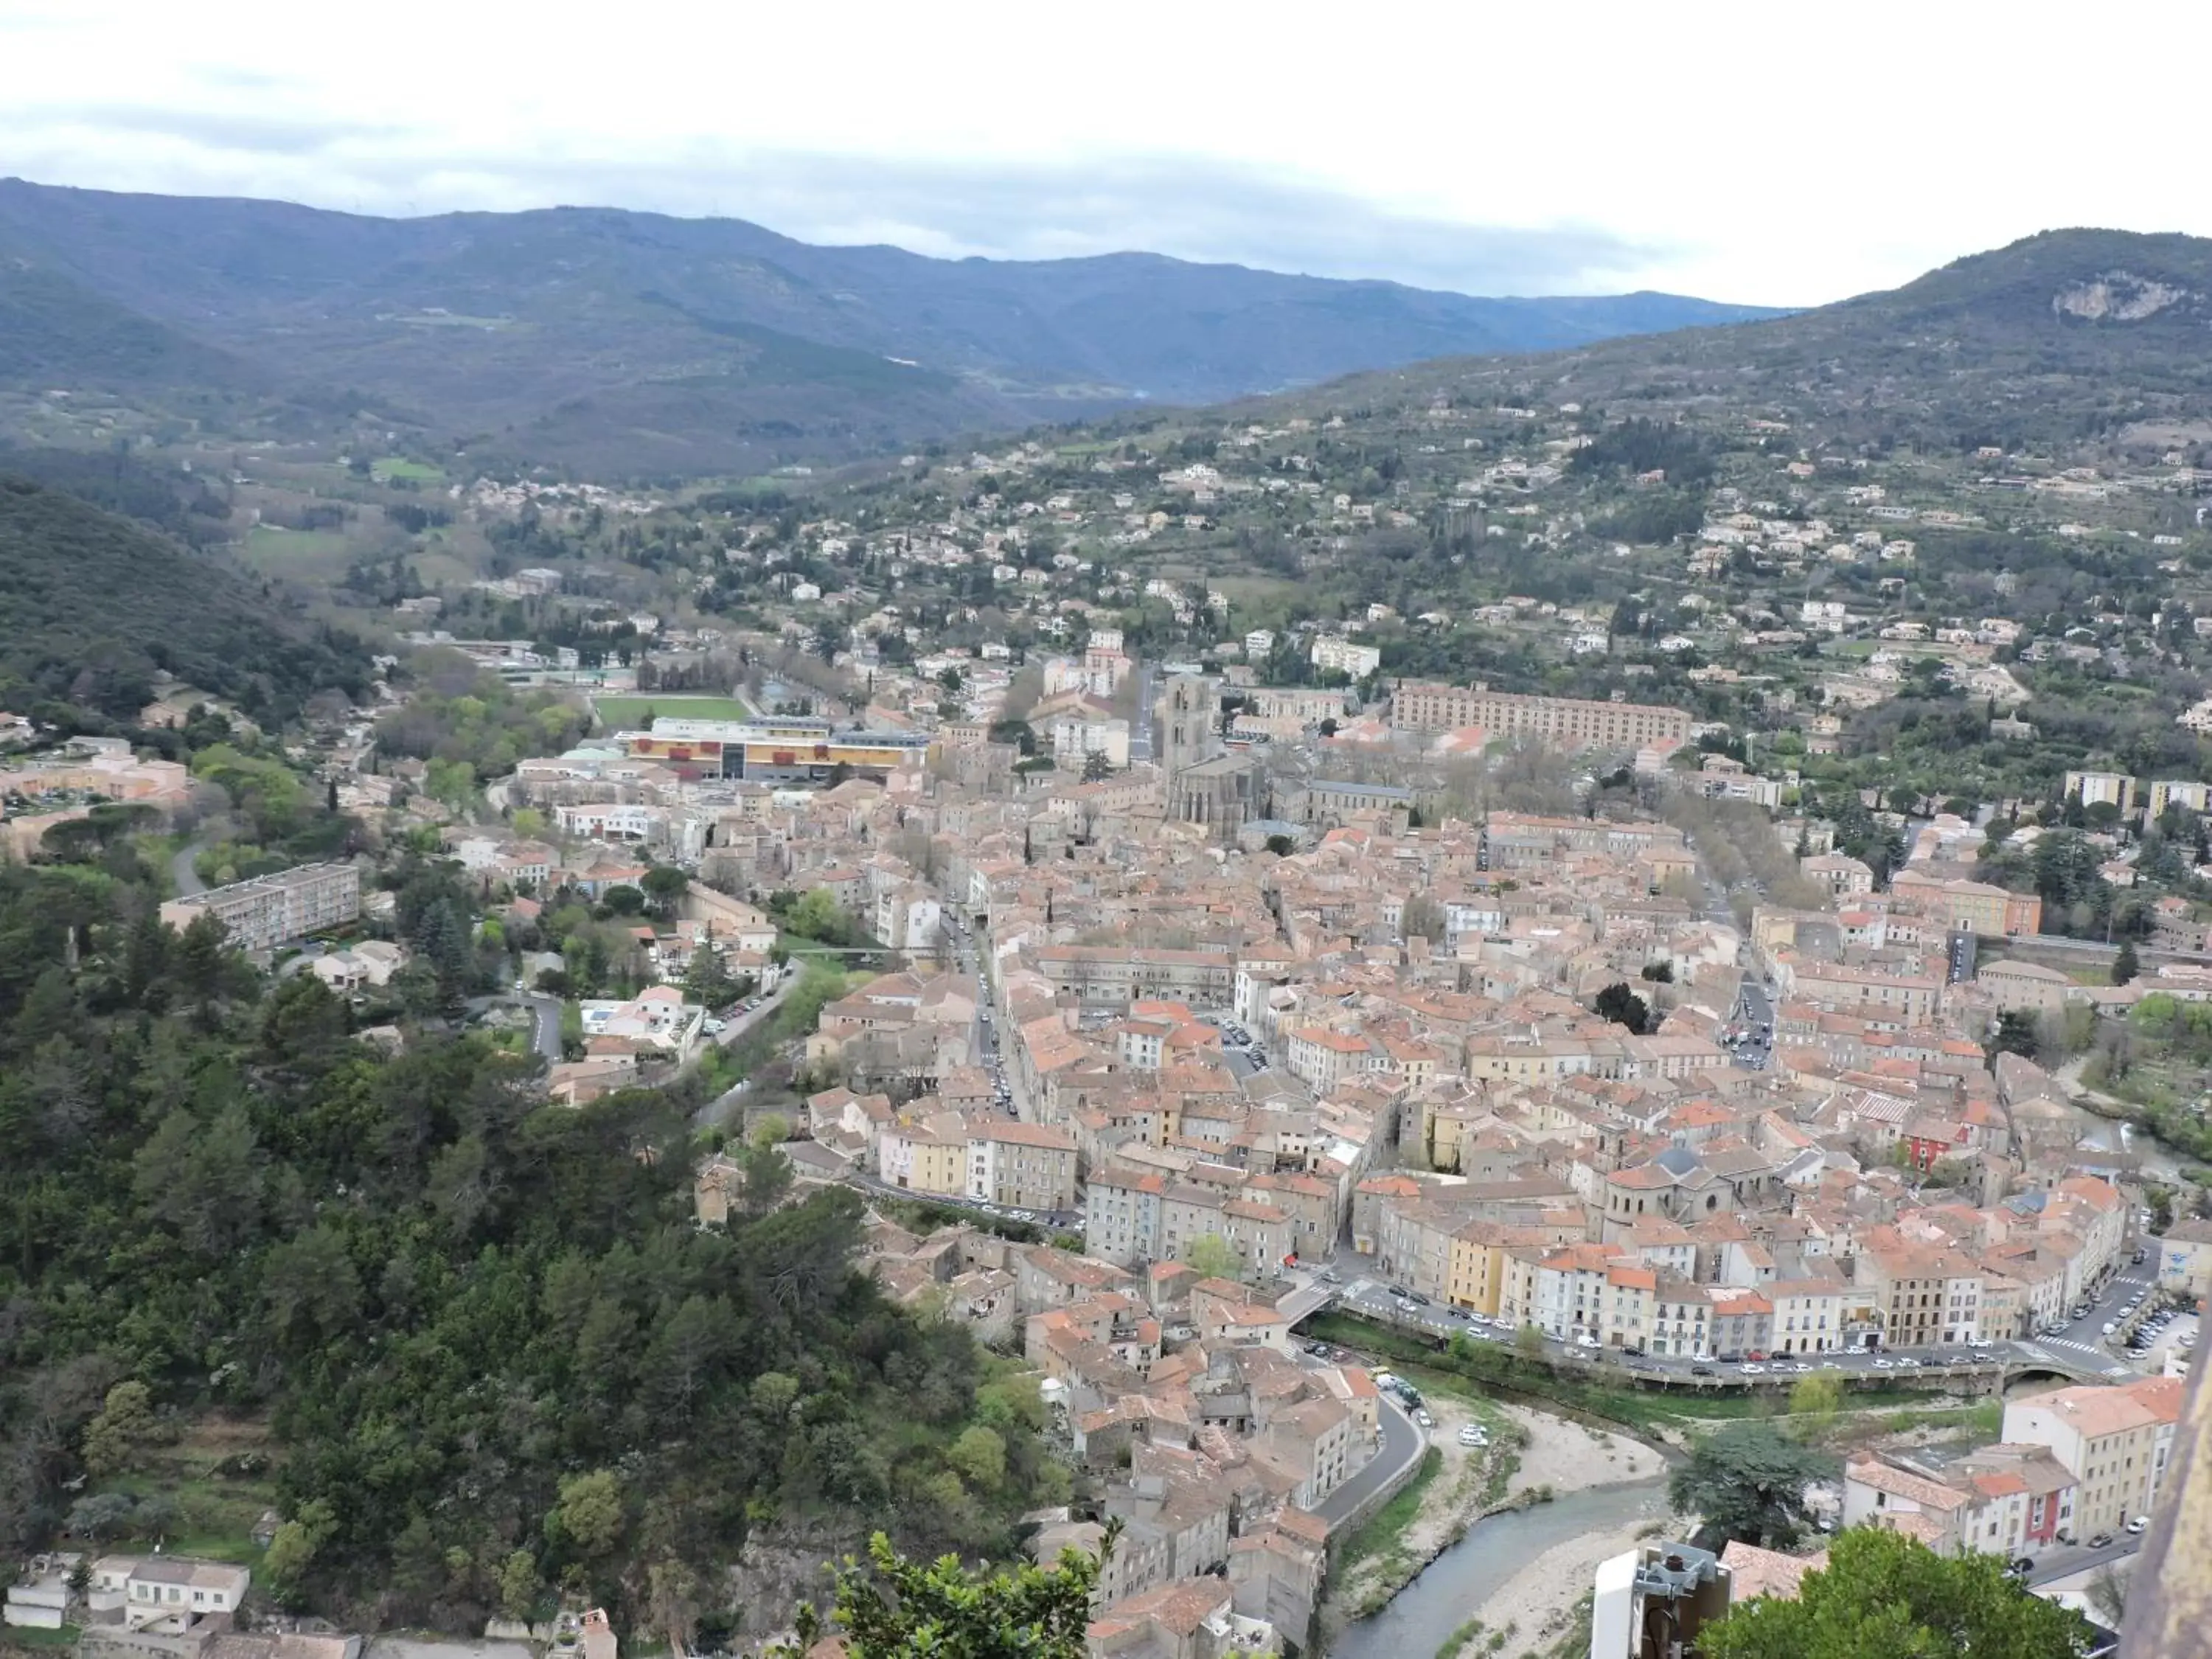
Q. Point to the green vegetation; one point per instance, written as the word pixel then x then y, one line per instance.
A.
pixel 93 606
pixel 896 1608
pixel 1746 1481
pixel 634 713
pixel 1381 1534
pixel 492 1350
pixel 472 727
pixel 1569 1385
pixel 1882 1595
pixel 395 466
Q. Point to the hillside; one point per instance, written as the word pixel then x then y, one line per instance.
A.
pixel 632 341
pixel 2067 335
pixel 93 606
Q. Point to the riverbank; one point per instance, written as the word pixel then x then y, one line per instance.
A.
pixel 1534 1457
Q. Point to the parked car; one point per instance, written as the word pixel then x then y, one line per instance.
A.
pixel 2139 1525
pixel 1752 1368
pixel 2101 1540
pixel 1701 1370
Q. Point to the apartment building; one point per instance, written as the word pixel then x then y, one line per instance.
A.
pixel 2115 1441
pixel 1566 722
pixel 1972 905
pixel 1924 1297
pixel 1022 1166
pixel 1112 976
pixel 1321 1058
pixel 268 911
pixel 1897 999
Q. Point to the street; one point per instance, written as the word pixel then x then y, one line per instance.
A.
pixel 1403 1443
pixel 2079 1351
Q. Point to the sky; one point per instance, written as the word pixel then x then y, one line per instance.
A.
pixel 1763 154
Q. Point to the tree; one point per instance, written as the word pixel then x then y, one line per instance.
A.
pixel 103 1516
pixel 1624 1007
pixel 1658 972
pixel 2015 1035
pixel 1748 1483
pixel 1529 1342
pixel 519 1585
pixel 112 1438
pixel 1817 1398
pixel 1096 767
pixel 1422 917
pixel 664 886
pixel 1281 845
pixel 980 1455
pixel 293 1550
pixel 590 1513
pixel 2125 963
pixel 1213 1256
pixel 903 1610
pixel 1883 1595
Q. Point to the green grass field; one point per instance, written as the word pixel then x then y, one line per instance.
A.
pixel 395 466
pixel 632 713
pixel 298 552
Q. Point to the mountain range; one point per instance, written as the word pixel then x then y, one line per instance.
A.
pixel 2059 337
pixel 633 342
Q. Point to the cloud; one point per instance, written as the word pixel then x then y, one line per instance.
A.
pixel 219 132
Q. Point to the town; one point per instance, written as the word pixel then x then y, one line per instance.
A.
pixel 1263 1009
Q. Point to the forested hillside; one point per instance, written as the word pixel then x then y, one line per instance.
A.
pixel 93 606
pixel 497 1355
pixel 618 342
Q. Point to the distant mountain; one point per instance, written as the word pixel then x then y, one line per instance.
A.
pixel 632 341
pixel 2064 335
pixel 93 606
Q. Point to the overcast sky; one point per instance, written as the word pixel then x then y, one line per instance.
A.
pixel 1765 153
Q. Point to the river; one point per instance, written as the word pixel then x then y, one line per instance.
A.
pixel 1451 1587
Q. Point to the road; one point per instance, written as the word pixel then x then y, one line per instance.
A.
pixel 2080 1347
pixel 545 1026
pixel 1403 1443
pixel 187 879
pixel 1140 726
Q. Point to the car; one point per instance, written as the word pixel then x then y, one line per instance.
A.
pixel 1830 1365
pixel 2019 1566
pixel 1752 1368
pixel 1584 1340
pixel 1329 1276
pixel 1417 1298
pixel 2139 1256
pixel 2112 1325
pixel 1906 1362
pixel 1884 1363
pixel 2101 1540
pixel 1472 1436
pixel 1402 1303
pixel 718 1026
pixel 1701 1370
pixel 1756 1353
pixel 1424 1418
pixel 2139 1525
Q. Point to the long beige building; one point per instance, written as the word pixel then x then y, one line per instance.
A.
pixel 1569 722
pixel 268 911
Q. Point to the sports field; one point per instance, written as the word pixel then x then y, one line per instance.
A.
pixel 634 713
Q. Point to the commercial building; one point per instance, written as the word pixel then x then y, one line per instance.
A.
pixel 268 911
pixel 785 748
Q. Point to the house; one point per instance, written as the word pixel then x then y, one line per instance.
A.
pixel 2114 1441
